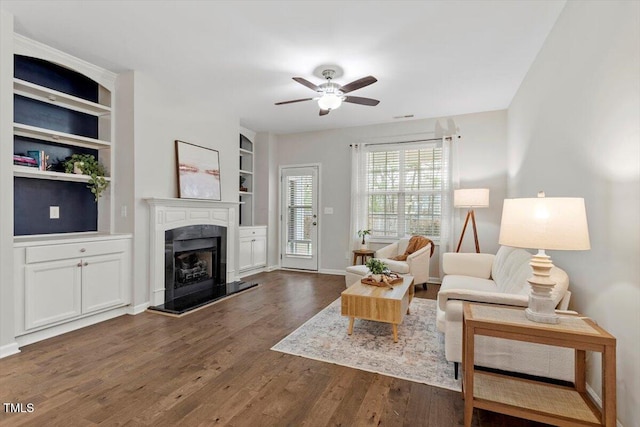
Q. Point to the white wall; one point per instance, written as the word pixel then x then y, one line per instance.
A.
pixel 162 116
pixel 574 131
pixel 481 154
pixel 266 192
pixel 8 344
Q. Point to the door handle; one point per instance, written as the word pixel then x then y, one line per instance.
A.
pixel 314 223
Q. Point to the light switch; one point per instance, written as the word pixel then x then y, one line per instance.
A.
pixel 328 211
pixel 54 212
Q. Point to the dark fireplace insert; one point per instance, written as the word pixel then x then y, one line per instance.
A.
pixel 196 268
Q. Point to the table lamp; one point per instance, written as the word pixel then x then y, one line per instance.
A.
pixel 470 198
pixel 544 223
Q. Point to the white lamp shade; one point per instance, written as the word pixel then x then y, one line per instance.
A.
pixel 471 198
pixel 329 101
pixel 556 223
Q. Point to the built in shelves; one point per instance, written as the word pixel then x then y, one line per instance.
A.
pixel 59 137
pixel 61 99
pixel 28 172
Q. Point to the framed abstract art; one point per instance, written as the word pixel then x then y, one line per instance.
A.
pixel 198 171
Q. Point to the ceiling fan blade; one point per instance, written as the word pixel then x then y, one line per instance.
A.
pixel 362 101
pixel 324 112
pixel 307 83
pixel 294 100
pixel 360 83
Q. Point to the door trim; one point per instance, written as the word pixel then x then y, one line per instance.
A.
pixel 280 213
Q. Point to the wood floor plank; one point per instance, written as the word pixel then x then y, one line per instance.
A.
pixel 214 367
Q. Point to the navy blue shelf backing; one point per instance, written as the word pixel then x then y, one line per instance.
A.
pixel 56 77
pixel 32 112
pixel 33 197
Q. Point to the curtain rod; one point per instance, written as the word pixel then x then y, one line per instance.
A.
pixel 448 138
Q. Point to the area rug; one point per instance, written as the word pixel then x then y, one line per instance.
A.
pixel 417 356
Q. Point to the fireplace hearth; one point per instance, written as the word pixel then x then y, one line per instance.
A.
pixel 195 268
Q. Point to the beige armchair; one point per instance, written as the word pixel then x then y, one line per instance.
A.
pixel 417 264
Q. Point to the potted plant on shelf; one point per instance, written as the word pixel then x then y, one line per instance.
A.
pixel 377 268
pixel 87 164
pixel 362 234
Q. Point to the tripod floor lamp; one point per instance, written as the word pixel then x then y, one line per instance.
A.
pixel 470 198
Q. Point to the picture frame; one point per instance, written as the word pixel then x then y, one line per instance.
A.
pixel 198 171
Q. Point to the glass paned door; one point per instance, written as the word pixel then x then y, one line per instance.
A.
pixel 299 218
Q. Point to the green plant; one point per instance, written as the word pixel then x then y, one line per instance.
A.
pixel 89 165
pixel 376 266
pixel 362 233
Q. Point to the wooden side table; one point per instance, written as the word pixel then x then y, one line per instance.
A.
pixel 362 254
pixel 535 400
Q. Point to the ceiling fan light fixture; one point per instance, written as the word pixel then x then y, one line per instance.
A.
pixel 329 101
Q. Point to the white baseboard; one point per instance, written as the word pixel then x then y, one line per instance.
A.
pixel 332 271
pixel 9 349
pixel 137 309
pixel 63 328
pixel 435 280
pixel 251 272
pixel 273 268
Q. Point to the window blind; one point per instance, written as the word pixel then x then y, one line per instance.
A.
pixel 299 215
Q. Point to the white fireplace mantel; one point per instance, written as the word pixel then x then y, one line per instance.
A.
pixel 169 213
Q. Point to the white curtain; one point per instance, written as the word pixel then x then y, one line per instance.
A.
pixel 450 181
pixel 358 196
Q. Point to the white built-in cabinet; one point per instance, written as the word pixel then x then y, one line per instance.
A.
pixel 253 248
pixel 60 281
pixel 252 241
pixel 73 270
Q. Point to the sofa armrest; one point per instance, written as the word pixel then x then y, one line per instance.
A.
pixel 388 251
pixel 462 264
pixel 480 296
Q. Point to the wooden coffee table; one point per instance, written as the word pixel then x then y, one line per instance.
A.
pixel 380 304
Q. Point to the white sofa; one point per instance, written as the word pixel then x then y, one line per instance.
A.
pixel 499 279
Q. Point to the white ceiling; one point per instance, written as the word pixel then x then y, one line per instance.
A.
pixel 431 58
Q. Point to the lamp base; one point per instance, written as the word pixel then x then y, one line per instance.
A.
pixel 541 306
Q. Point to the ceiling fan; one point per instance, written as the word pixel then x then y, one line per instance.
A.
pixel 332 95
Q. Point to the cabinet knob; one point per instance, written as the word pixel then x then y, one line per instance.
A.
pixel 52 98
pixel 83 250
pixel 79 264
pixel 85 264
pixel 253 240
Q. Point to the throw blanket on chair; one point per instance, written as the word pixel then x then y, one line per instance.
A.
pixel 415 244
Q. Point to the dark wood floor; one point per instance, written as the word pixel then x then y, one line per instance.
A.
pixel 214 367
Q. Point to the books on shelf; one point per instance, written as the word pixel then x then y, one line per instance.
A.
pixel 40 157
pixel 25 161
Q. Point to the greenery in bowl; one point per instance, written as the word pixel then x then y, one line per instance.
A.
pixel 89 165
pixel 376 266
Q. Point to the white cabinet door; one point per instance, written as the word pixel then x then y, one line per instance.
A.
pixel 260 251
pixel 245 256
pixel 52 292
pixel 102 279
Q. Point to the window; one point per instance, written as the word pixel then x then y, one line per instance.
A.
pixel 403 191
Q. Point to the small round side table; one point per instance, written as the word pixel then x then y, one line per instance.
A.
pixel 362 254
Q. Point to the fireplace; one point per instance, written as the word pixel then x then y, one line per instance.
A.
pixel 191 251
pixel 195 261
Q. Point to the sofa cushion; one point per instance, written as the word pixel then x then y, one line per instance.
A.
pixel 511 270
pixel 452 281
pixel 401 267
pixel 403 244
